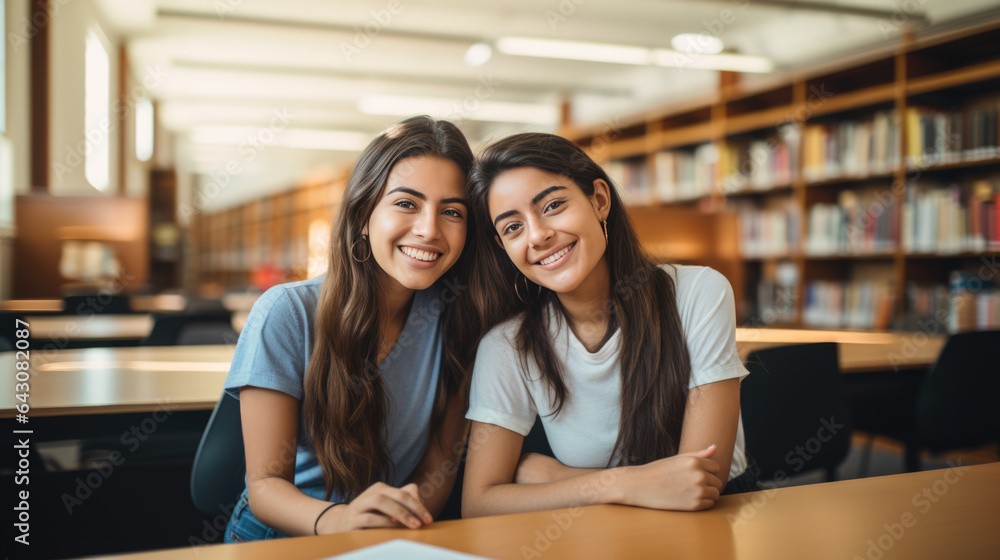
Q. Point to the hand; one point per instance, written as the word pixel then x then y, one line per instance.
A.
pixel 686 482
pixel 534 468
pixel 379 506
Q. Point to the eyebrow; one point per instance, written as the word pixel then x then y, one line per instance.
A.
pixel 422 196
pixel 538 198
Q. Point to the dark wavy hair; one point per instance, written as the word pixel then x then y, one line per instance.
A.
pixel 345 399
pixel 653 357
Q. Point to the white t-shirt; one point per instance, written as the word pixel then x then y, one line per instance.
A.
pixel 584 432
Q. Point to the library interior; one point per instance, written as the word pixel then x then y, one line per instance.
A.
pixel 164 163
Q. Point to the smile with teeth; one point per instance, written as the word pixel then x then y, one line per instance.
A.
pixel 420 255
pixel 557 255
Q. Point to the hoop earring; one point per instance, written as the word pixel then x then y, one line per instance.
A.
pixel 527 288
pixel 605 224
pixel 367 244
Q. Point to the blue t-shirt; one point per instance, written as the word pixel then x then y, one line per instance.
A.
pixel 273 353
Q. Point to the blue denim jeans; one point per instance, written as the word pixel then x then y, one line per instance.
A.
pixel 243 526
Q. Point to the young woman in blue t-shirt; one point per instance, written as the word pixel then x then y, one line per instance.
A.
pixel 352 401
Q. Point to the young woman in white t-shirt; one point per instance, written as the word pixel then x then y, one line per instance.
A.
pixel 631 367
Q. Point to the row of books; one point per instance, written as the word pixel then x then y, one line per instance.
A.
pixel 759 164
pixel 776 296
pixel 856 224
pixel 944 135
pixel 768 232
pixel 851 148
pixel 854 304
pixel 971 303
pixel 686 174
pixel 946 219
pixel 631 178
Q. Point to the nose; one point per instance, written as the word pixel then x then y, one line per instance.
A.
pixel 538 232
pixel 425 225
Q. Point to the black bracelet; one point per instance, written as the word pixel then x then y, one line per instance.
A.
pixel 328 508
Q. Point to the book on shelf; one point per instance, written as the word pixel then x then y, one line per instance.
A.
pixel 685 174
pixel 631 178
pixel 851 148
pixel 759 164
pixel 768 232
pixel 938 135
pixel 776 297
pixel 856 304
pixel 856 224
pixel 971 302
pixel 950 219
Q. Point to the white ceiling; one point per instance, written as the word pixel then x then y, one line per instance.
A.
pixel 233 63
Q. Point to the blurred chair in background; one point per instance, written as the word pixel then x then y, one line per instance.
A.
pixel 795 416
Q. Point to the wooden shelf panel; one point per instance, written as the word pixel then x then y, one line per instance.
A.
pixel 954 78
pixel 628 148
pixel 686 136
pixel 860 99
pixel 761 120
pixel 848 179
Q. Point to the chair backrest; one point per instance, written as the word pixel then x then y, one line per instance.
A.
pixel 536 441
pixel 219 469
pixel 99 304
pixel 168 329
pixel 795 415
pixel 957 402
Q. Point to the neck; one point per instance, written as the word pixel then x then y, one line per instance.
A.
pixel 585 306
pixel 396 304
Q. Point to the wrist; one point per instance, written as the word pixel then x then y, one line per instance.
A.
pixel 329 520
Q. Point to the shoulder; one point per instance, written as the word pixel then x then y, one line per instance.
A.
pixel 295 301
pixel 503 335
pixel 701 292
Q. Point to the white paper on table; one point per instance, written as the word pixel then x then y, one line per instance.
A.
pixel 403 548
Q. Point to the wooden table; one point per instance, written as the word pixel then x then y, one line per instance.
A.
pixel 90 327
pixel 116 380
pixel 106 380
pixel 859 351
pixel 950 513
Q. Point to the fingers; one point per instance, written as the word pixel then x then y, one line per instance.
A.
pixel 409 496
pixel 707 452
pixel 714 482
pixel 371 520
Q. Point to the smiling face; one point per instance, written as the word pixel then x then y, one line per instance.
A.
pixel 549 228
pixel 418 228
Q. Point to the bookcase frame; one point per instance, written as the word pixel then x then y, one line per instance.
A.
pixel 885 78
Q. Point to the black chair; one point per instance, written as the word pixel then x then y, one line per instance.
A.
pixel 100 304
pixel 795 416
pixel 183 328
pixel 956 402
pixel 219 468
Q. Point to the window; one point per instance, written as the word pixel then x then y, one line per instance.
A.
pixel 3 69
pixel 97 106
pixel 143 129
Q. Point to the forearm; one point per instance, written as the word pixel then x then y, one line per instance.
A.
pixel 435 481
pixel 279 504
pixel 595 486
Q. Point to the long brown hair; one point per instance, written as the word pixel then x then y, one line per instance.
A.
pixel 345 399
pixel 653 357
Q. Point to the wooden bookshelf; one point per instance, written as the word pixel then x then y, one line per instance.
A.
pixel 272 233
pixel 868 95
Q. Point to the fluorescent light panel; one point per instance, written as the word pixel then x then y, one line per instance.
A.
pixel 458 109
pixel 307 139
pixel 626 54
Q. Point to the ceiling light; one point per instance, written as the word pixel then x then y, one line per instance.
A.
pixel 722 61
pixel 478 54
pixel 470 108
pixel 627 54
pixel 697 43
pixel 307 139
pixel 574 50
